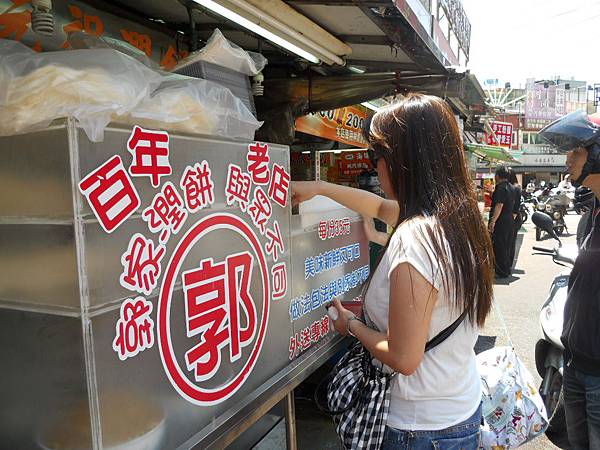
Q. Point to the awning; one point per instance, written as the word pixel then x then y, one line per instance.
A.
pixel 331 92
pixel 491 153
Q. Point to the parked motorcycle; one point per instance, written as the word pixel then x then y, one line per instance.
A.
pixel 524 211
pixel 549 348
pixel 556 211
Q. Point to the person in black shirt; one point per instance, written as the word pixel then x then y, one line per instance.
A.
pixel 501 222
pixel 579 135
pixel 516 212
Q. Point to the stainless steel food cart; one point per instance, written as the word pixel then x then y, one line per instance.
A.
pixel 152 301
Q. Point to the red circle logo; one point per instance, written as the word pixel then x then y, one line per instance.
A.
pixel 180 381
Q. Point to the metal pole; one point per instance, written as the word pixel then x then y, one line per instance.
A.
pixel 317 156
pixel 290 421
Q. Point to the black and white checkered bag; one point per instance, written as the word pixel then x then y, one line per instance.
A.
pixel 358 398
pixel 358 394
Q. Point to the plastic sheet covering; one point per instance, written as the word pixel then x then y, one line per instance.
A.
pixel 193 105
pixel 80 40
pixel 218 50
pixel 89 85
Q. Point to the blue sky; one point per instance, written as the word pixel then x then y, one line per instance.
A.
pixel 517 39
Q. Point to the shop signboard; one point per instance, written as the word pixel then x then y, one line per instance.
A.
pixel 353 163
pixel 541 101
pixel 502 134
pixel 547 102
pixel 75 16
pixel 343 125
pixel 543 160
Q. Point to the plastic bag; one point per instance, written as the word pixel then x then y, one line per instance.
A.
pixel 513 409
pixel 80 40
pixel 193 105
pixel 218 50
pixel 89 85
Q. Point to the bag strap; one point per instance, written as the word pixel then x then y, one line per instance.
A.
pixel 445 334
pixel 435 341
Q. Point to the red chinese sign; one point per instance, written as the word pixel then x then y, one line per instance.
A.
pixel 215 295
pixel 134 329
pixel 141 263
pixel 353 163
pixel 151 154
pixel 308 336
pixel 110 193
pixel 198 187
pixel 224 311
pixel 328 229
pixel 167 213
pixel 279 277
pixel 214 300
pixel 502 134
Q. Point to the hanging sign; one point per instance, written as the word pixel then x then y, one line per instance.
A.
pixel 343 125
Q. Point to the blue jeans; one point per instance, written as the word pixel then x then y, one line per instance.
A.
pixel 463 436
pixel 582 409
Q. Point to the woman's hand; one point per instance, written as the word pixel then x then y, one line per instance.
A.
pixel 303 191
pixel 341 323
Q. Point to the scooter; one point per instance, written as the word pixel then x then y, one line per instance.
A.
pixel 549 348
pixel 524 211
pixel 556 211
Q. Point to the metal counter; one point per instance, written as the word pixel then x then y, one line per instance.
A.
pixel 158 302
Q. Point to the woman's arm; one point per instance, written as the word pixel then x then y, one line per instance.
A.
pixel 412 299
pixel 363 202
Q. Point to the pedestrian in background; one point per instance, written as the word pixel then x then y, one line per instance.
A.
pixel 518 220
pixel 501 222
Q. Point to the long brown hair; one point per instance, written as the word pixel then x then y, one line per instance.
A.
pixel 420 141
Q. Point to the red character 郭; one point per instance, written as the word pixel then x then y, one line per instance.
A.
pixel 110 193
pixel 275 244
pixel 260 209
pixel 135 328
pixel 279 280
pixel 216 297
pixel 238 187
pixel 167 213
pixel 150 154
pixel 322 230
pixel 141 263
pixel 280 184
pixel 198 187
pixel 258 162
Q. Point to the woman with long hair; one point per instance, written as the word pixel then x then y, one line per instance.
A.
pixel 437 264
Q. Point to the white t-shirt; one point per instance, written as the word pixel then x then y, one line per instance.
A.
pixel 445 389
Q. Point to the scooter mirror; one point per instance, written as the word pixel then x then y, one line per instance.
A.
pixel 545 222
